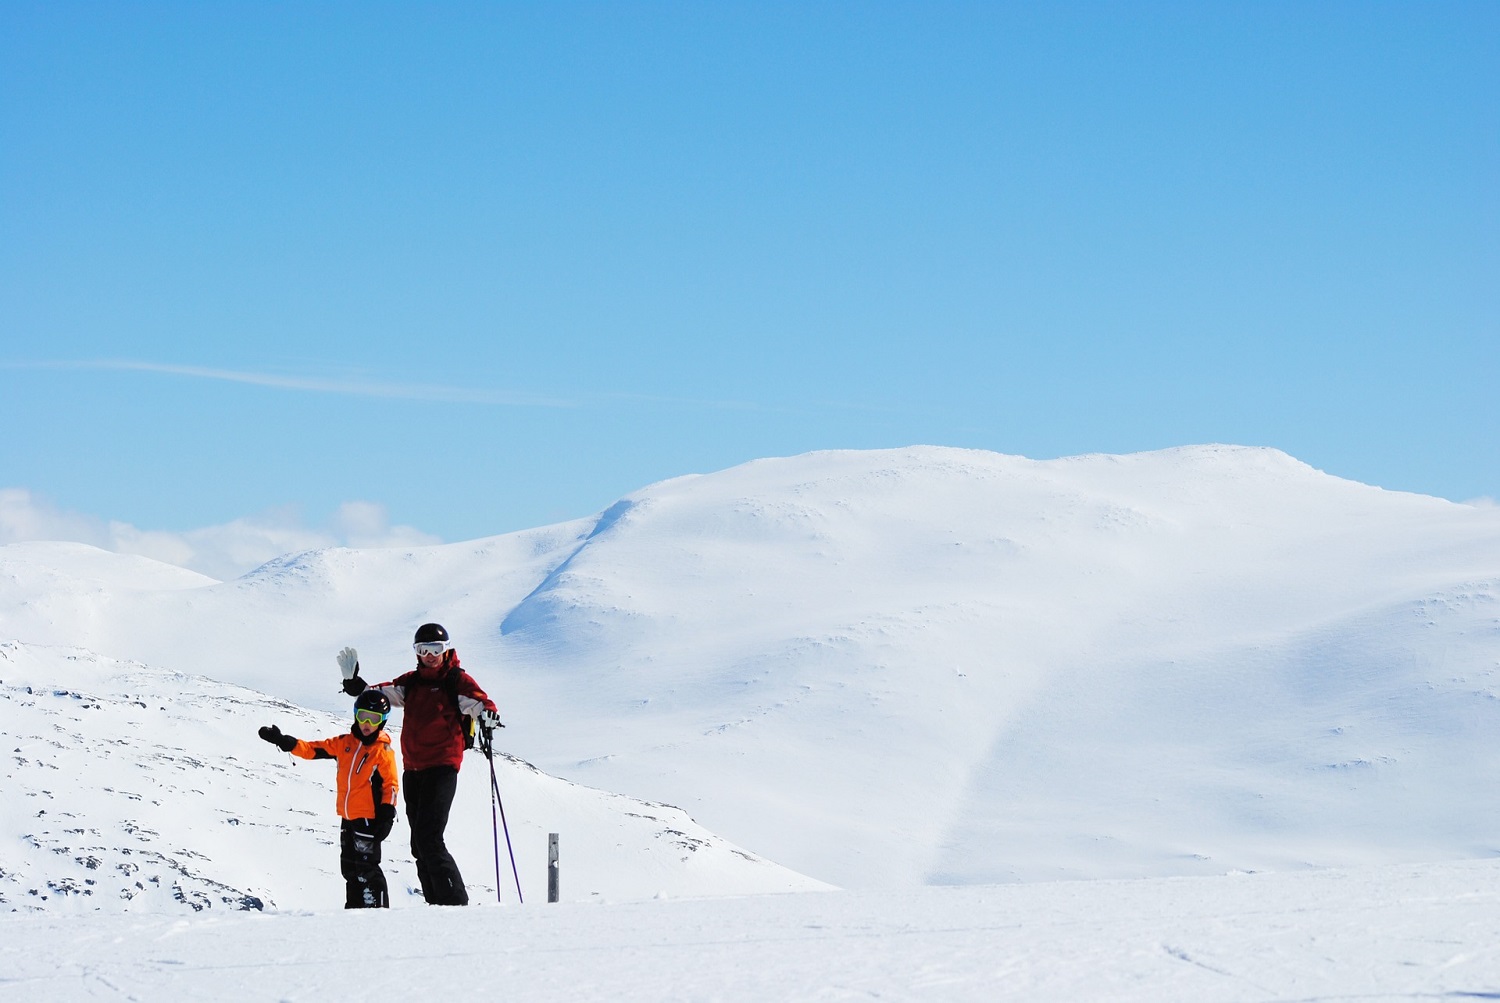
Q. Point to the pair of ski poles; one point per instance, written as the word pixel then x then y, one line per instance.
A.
pixel 487 746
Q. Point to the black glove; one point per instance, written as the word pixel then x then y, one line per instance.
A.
pixel 272 734
pixel 354 686
pixel 385 817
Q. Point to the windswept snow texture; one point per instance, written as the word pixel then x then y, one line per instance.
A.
pixel 134 789
pixel 926 665
pixel 1373 935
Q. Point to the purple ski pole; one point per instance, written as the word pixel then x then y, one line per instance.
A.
pixel 495 801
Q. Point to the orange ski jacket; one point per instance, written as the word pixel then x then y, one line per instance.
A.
pixel 367 773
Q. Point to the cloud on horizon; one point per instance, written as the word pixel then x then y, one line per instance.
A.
pixel 437 393
pixel 315 384
pixel 222 552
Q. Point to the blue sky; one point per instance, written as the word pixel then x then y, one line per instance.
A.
pixel 490 266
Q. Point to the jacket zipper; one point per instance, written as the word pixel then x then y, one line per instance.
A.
pixel 354 764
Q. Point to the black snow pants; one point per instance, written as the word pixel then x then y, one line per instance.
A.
pixel 359 861
pixel 429 796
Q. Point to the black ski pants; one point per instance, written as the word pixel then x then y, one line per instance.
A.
pixel 359 861
pixel 429 796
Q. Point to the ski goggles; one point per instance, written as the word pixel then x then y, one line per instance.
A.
pixel 430 647
pixel 371 717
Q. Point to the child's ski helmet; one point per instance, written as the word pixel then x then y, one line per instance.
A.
pixel 373 700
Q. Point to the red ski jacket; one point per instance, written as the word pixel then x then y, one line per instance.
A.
pixel 435 704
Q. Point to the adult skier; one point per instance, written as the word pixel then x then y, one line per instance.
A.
pixel 436 697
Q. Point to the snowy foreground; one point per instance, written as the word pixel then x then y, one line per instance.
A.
pixel 1389 933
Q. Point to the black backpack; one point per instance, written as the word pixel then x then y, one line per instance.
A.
pixel 466 721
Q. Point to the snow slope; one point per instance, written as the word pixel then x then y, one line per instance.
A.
pixel 927 665
pixel 954 667
pixel 129 788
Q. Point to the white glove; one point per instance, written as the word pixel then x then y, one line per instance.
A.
pixel 349 663
pixel 489 720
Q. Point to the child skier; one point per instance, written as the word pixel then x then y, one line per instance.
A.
pixel 366 794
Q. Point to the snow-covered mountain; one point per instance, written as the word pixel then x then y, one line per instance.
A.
pixel 924 665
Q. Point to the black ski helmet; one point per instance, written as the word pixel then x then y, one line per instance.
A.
pixel 372 700
pixel 430 632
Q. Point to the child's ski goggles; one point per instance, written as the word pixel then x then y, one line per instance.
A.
pixel 429 647
pixel 370 717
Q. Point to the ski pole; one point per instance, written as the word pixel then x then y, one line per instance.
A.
pixel 496 800
pixel 484 746
pixel 508 848
pixel 494 829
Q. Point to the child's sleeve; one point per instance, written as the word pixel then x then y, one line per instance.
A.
pixel 320 749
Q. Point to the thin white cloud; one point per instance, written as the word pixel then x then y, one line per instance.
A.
pixel 409 391
pixel 223 552
pixel 313 384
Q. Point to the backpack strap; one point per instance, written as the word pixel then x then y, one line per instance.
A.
pixel 449 684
